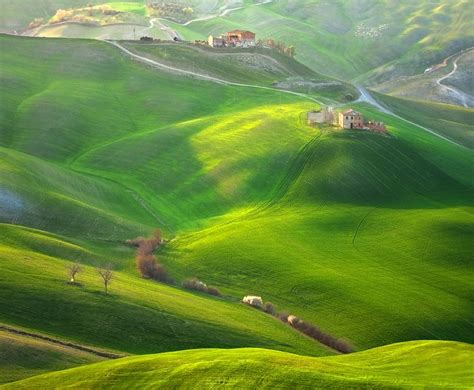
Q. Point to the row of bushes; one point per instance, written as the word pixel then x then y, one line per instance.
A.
pixel 304 327
pixel 150 268
pixel 316 333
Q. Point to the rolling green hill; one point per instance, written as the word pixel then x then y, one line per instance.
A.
pixel 456 85
pixel 424 364
pixel 23 356
pixel 252 66
pixel 366 236
pixel 454 122
pixel 16 15
pixel 347 39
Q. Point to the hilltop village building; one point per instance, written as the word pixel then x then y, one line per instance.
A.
pixel 235 38
pixel 241 38
pixel 349 119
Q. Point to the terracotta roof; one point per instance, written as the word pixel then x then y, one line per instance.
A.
pixel 239 32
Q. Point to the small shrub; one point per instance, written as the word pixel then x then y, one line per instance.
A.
pixel 254 301
pixel 269 308
pixel 214 291
pixel 283 317
pixel 149 268
pixel 197 285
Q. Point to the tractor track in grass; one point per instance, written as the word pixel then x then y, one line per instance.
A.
pixel 359 225
pixel 135 195
pixel 297 165
pixel 79 347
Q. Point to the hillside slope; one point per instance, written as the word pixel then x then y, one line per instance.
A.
pixel 257 66
pixel 347 39
pixel 450 82
pixel 23 356
pixel 424 364
pixel 366 236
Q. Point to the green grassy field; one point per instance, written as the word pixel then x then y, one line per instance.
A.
pixel 251 66
pixel 16 15
pixel 22 356
pixel 434 365
pixel 348 39
pixel 454 122
pixel 366 236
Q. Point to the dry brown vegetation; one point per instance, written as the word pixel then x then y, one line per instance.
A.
pixel 302 326
pixel 316 333
pixel 147 263
pixel 197 285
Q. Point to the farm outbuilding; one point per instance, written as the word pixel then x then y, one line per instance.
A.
pixel 215 41
pixel 324 115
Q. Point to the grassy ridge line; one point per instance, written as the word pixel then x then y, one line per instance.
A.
pixel 206 77
pixel 367 212
pixel 24 356
pixel 309 238
pixel 430 364
pixel 453 123
pixel 163 318
pixel 16 16
pixel 258 66
pixel 325 33
pixel 93 351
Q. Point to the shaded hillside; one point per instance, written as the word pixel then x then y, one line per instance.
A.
pixel 366 236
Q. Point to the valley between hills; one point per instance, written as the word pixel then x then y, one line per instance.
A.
pixel 148 186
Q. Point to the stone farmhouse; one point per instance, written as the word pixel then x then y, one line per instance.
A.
pixel 235 38
pixel 349 119
pixel 241 38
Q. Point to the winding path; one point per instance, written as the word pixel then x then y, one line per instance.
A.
pixel 461 96
pixel 157 21
pixel 206 77
pixel 365 96
pixel 223 12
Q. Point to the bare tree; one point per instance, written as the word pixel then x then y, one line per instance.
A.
pixel 72 271
pixel 106 274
